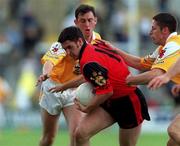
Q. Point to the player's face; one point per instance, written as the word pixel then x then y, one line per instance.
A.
pixel 86 23
pixel 156 34
pixel 72 48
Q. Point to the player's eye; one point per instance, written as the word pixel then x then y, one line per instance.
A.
pixel 90 20
pixel 82 20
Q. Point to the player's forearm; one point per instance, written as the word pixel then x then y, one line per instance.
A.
pixel 47 68
pixel 143 78
pixel 75 82
pixel 138 80
pixel 97 100
pixel 130 60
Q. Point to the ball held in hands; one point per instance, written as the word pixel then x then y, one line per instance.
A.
pixel 84 93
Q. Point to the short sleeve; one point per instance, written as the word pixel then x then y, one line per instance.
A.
pixel 55 54
pixel 98 76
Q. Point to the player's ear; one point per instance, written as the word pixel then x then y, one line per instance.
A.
pixel 80 41
pixel 95 20
pixel 165 30
pixel 75 22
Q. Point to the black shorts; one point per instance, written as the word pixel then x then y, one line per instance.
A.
pixel 128 111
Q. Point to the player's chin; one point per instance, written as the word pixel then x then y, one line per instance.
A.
pixel 74 57
pixel 87 32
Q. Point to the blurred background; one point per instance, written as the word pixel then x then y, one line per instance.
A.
pixel 27 29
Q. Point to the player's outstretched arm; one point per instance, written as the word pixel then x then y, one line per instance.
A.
pixel 158 81
pixel 47 68
pixel 94 103
pixel 131 60
pixel 143 78
pixel 70 84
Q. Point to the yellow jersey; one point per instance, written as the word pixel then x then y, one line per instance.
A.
pixel 63 63
pixel 164 56
pixel 95 36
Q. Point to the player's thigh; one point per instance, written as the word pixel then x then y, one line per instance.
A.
pixel 72 116
pixel 50 122
pixel 51 102
pixel 94 122
pixel 129 135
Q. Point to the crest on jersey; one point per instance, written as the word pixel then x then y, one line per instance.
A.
pixel 98 78
pixel 56 49
pixel 162 52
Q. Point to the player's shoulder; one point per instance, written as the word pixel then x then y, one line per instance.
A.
pixel 96 35
pixel 55 53
pixel 56 49
pixel 171 47
pixel 174 38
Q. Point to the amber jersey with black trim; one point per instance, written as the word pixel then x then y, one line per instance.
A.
pixel 63 63
pixel 105 69
pixel 165 56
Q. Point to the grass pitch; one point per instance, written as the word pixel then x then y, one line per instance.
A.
pixel 24 137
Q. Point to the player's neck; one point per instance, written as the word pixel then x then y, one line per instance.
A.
pixel 89 39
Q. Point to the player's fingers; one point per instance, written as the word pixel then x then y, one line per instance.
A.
pixel 159 84
pixel 40 80
pixel 156 85
pixel 153 84
pixel 38 83
pixel 52 90
pixel 76 101
pixel 150 84
pixel 175 91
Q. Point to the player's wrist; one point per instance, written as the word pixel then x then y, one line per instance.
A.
pixel 168 76
pixel 45 76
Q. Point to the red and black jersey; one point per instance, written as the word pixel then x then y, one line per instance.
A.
pixel 105 69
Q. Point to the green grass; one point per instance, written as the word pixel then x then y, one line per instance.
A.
pixel 26 137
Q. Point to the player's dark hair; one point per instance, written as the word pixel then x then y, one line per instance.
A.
pixel 166 20
pixel 83 8
pixel 71 33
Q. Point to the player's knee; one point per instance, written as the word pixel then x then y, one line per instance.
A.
pixel 81 135
pixel 171 131
pixel 174 133
pixel 170 142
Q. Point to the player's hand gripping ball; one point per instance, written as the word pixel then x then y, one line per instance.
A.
pixel 84 93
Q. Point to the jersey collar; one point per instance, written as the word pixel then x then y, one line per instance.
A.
pixel 93 36
pixel 171 35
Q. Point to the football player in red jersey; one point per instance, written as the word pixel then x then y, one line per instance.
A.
pixel 114 100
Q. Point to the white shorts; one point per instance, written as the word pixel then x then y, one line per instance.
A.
pixel 54 102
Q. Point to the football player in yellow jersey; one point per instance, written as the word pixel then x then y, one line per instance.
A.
pixel 163 33
pixel 57 69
